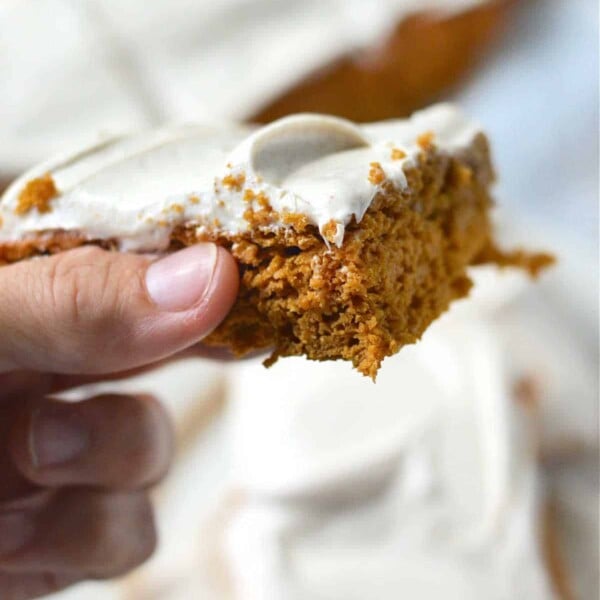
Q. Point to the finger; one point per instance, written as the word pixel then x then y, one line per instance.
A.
pixel 113 441
pixel 92 311
pixel 17 386
pixel 83 532
pixel 25 586
pixel 12 483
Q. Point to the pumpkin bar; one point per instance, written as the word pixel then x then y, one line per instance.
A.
pixel 350 239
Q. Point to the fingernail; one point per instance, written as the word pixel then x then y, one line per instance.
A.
pixel 56 437
pixel 16 529
pixel 181 280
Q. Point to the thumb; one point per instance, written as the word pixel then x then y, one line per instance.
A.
pixel 92 311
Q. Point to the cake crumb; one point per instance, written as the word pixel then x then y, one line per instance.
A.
pixel 330 230
pixel 263 201
pixel 235 182
pixel 376 173
pixel 37 193
pixel 261 198
pixel 398 154
pixel 261 217
pixel 177 208
pixel 533 263
pixel 264 215
pixel 425 140
pixel 297 221
pixel 194 200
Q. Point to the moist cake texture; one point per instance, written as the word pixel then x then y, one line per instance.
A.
pixel 350 240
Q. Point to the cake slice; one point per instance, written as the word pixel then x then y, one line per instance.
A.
pixel 426 48
pixel 350 240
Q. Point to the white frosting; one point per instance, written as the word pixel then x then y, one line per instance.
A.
pixel 420 486
pixel 137 189
pixel 112 65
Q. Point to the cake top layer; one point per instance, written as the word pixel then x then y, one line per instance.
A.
pixel 135 190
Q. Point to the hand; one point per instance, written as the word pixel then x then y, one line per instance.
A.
pixel 73 476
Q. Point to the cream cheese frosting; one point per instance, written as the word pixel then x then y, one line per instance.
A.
pixel 135 190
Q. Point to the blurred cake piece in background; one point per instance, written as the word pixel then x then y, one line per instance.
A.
pixel 197 60
pixel 433 45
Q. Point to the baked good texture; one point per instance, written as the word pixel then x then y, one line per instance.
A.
pixel 350 240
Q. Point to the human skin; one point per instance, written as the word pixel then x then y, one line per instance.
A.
pixel 74 477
